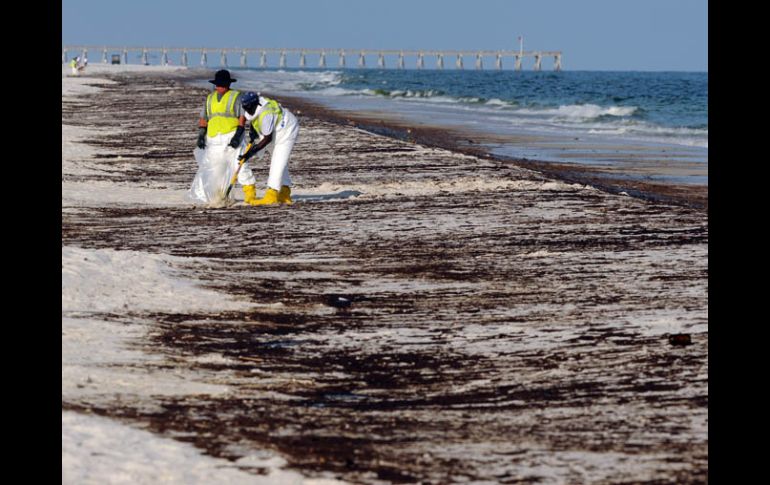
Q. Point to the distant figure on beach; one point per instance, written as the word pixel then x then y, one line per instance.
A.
pixel 220 144
pixel 82 64
pixel 276 125
pixel 74 66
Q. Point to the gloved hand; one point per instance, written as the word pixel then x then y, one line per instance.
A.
pixel 235 141
pixel 201 138
pixel 250 153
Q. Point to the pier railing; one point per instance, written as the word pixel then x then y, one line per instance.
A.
pixel 325 57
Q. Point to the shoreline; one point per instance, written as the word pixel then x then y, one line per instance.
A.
pixel 693 196
pixel 686 195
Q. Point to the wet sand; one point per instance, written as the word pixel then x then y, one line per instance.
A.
pixel 465 319
pixel 610 179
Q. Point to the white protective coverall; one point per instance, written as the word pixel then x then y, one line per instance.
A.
pixel 284 137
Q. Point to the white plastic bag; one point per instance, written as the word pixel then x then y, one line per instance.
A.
pixel 216 167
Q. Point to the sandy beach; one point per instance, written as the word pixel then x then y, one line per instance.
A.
pixel 423 313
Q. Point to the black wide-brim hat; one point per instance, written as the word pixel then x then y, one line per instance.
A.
pixel 222 78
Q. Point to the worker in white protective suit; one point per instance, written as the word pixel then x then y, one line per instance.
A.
pixel 220 144
pixel 74 65
pixel 276 129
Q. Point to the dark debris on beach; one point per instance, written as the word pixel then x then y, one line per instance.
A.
pixel 497 336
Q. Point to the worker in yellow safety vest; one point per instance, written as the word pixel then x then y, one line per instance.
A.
pixel 221 129
pixel 277 127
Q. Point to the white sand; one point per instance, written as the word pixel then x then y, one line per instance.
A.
pixel 99 360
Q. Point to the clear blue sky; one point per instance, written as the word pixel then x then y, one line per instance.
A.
pixel 646 35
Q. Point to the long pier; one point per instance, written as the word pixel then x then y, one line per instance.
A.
pixel 397 57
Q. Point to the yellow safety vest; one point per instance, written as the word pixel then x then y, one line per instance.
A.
pixel 221 114
pixel 271 107
pixel 73 63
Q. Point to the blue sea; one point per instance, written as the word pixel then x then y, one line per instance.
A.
pixel 650 126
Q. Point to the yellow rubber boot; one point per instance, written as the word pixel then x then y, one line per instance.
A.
pixel 284 196
pixel 249 193
pixel 271 197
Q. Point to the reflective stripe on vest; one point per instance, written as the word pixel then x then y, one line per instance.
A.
pixel 271 107
pixel 221 113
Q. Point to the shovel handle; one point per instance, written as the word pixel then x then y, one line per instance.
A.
pixel 235 175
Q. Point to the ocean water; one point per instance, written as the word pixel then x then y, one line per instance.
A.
pixel 640 125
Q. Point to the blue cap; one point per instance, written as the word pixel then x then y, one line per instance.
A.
pixel 250 101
